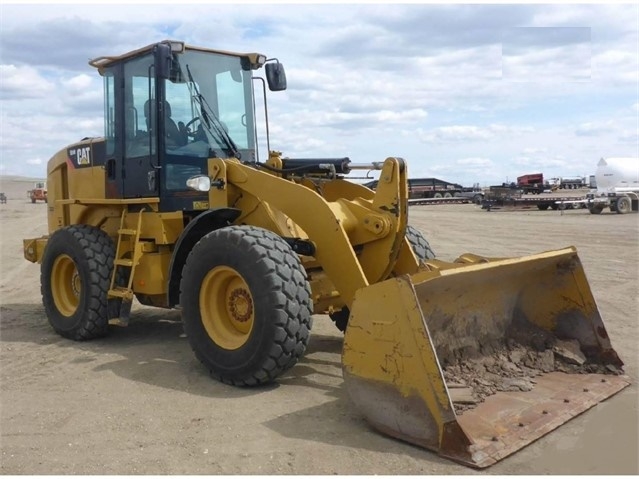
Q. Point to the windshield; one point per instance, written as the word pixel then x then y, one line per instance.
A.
pixel 209 113
pixel 210 102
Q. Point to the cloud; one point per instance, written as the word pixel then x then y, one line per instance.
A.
pixel 365 80
pixel 422 30
pixel 541 162
pixel 475 162
pixel 620 66
pixel 35 161
pixel 457 133
pixel 22 82
pixel 462 133
pixel 547 54
pixel 521 40
pixel 79 83
pixel 533 151
pixel 594 128
pixel 371 119
pixel 68 42
pixel 631 137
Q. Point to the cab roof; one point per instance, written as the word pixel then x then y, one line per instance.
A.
pixel 176 46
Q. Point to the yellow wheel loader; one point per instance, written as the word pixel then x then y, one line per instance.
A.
pixel 473 358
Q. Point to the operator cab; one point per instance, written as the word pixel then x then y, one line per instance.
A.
pixel 168 108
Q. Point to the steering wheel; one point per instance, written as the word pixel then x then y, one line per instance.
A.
pixel 188 129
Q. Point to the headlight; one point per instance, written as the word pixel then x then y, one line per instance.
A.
pixel 199 183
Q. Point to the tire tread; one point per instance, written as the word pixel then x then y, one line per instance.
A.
pixel 99 250
pixel 287 279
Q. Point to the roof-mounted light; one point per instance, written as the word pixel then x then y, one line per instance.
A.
pixel 176 47
pixel 256 60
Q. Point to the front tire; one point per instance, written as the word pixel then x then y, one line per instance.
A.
pixel 246 305
pixel 75 277
pixel 419 244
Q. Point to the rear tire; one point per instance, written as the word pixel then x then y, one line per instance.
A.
pixel 246 305
pixel 624 205
pixel 422 250
pixel 75 277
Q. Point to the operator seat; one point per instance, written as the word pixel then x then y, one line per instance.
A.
pixel 174 137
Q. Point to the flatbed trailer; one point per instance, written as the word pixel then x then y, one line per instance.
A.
pixel 439 201
pixel 621 203
pixel 436 189
pixel 533 202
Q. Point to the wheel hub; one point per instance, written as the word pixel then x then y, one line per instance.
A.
pixel 226 307
pixel 240 305
pixel 75 284
pixel 66 285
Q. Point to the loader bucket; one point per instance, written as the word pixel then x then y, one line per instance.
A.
pixel 475 361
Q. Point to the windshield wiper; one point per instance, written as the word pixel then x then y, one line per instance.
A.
pixel 216 126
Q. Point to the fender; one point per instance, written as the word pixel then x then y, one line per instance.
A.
pixel 204 223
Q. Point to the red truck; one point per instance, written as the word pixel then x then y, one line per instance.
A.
pixel 533 183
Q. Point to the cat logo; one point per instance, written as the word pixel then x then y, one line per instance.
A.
pixel 82 155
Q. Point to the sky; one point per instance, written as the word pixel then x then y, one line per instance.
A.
pixel 468 93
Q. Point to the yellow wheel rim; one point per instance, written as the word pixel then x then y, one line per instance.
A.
pixel 226 307
pixel 66 285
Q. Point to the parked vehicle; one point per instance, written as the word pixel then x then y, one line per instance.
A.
pixel 511 196
pixel 533 183
pixel 39 192
pixel 571 183
pixel 617 186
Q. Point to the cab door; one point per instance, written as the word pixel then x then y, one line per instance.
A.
pixel 139 132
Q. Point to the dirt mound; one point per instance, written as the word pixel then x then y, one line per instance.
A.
pixel 513 368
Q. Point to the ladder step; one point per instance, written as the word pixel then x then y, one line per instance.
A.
pixel 123 262
pixel 126 231
pixel 120 292
pixel 125 314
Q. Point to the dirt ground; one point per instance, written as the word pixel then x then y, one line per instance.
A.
pixel 138 402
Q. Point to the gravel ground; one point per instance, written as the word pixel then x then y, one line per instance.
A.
pixel 138 402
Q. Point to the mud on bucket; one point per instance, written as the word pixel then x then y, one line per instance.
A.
pixel 477 359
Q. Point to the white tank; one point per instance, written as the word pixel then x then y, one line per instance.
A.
pixel 617 175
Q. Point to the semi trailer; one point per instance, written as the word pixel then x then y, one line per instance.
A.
pixel 617 181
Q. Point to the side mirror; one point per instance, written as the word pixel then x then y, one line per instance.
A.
pixel 275 76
